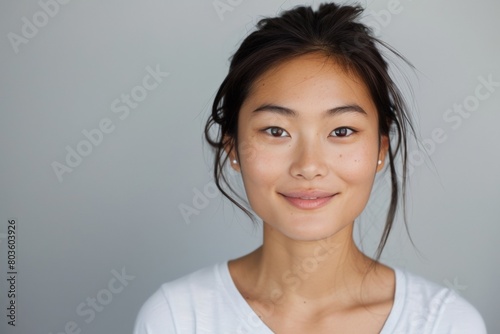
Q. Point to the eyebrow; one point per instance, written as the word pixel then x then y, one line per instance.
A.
pixel 350 108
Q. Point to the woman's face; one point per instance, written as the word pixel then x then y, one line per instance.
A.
pixel 308 147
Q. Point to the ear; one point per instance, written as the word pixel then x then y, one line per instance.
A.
pixel 384 148
pixel 232 155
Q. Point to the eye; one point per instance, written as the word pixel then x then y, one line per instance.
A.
pixel 276 132
pixel 342 132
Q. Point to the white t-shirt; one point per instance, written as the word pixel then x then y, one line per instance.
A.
pixel 207 301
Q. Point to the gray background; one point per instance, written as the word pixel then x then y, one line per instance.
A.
pixel 119 208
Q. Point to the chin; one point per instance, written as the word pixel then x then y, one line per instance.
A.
pixel 310 229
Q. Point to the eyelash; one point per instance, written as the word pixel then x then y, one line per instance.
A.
pixel 352 131
pixel 267 130
pixel 346 128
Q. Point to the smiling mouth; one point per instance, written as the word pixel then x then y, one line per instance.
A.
pixel 308 202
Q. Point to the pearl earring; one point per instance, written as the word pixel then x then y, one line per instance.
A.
pixel 380 162
pixel 235 161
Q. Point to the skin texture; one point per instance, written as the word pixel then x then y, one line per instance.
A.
pixel 309 276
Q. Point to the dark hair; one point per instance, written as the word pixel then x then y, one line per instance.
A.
pixel 331 30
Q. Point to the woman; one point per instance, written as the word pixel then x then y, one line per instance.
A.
pixel 308 115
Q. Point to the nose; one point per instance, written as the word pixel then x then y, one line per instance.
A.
pixel 308 161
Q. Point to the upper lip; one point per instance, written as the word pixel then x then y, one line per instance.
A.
pixel 308 193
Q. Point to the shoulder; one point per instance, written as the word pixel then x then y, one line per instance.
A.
pixel 173 305
pixel 422 306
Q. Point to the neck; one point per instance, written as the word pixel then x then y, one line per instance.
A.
pixel 302 271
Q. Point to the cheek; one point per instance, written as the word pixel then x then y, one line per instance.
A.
pixel 260 168
pixel 357 173
pixel 261 160
pixel 263 169
pixel 357 166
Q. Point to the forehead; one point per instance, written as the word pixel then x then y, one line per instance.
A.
pixel 307 83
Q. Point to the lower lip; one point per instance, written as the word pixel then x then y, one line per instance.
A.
pixel 308 204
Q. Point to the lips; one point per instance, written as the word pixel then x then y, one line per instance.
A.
pixel 311 199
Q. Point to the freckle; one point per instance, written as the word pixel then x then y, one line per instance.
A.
pixel 340 156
